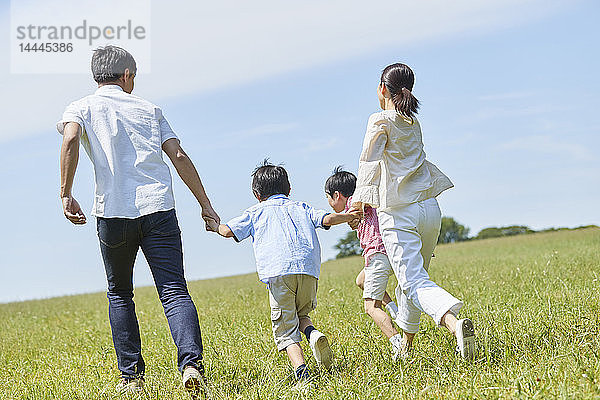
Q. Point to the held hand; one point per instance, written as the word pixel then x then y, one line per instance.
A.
pixel 354 224
pixel 357 214
pixel 72 210
pixel 358 206
pixel 211 225
pixel 211 218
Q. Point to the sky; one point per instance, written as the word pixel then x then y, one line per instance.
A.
pixel 509 100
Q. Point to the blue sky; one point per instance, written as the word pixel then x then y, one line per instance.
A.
pixel 509 113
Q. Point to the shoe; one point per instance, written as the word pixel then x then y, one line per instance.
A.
pixel 305 380
pixel 302 373
pixel 130 385
pixel 465 339
pixel 321 350
pixel 194 382
pixel 401 350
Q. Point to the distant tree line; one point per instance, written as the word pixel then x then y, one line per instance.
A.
pixel 451 231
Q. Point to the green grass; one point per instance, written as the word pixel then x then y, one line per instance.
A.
pixel 535 301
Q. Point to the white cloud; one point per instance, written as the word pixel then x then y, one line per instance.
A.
pixel 201 46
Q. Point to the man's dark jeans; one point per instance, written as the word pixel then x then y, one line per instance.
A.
pixel 159 237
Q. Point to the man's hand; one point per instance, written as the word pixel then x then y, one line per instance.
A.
pixel 211 225
pixel 211 219
pixel 73 211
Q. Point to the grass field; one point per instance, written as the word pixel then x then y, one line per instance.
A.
pixel 534 299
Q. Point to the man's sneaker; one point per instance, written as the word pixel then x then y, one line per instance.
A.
pixel 130 385
pixel 321 350
pixel 400 348
pixel 465 339
pixel 194 382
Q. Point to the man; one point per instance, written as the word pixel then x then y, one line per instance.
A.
pixel 125 137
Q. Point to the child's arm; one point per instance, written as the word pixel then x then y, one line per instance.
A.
pixel 221 229
pixel 225 231
pixel 340 218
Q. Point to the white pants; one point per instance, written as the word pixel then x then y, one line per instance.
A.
pixel 410 234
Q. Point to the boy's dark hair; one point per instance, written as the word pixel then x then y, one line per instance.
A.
pixel 110 62
pixel 269 179
pixel 399 80
pixel 341 181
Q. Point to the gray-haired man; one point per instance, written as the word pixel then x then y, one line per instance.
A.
pixel 125 137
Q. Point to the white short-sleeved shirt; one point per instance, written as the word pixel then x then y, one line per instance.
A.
pixel 284 236
pixel 123 136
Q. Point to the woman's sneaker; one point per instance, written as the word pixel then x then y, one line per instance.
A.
pixel 194 382
pixel 130 385
pixel 465 339
pixel 321 350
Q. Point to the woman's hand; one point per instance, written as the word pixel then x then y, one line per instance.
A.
pixel 356 207
pixel 354 224
pixel 359 205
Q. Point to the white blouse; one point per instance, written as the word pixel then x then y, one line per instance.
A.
pixel 392 170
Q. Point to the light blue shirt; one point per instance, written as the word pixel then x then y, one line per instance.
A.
pixel 284 236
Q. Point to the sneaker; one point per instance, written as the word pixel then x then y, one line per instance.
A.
pixel 194 382
pixel 130 385
pixel 305 380
pixel 321 350
pixel 465 339
pixel 302 373
pixel 400 349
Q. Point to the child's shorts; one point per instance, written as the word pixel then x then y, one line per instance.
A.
pixel 377 274
pixel 291 297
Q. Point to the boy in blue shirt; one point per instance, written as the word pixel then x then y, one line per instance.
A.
pixel 288 260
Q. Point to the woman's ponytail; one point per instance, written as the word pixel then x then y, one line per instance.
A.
pixel 399 80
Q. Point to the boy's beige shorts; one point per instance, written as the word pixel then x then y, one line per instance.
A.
pixel 291 297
